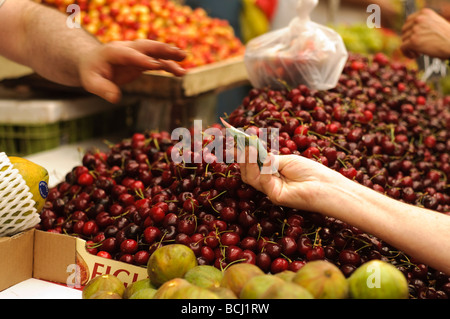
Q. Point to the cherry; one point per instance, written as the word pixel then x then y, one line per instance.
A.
pixel 229 214
pixel 229 238
pixel 349 257
pixel 279 265
pixel 126 258
pixel 157 214
pixel 232 253
pixel 263 261
pixel 304 244
pixel 141 257
pixel 288 245
pixel 129 246
pixel 315 253
pixel 151 234
pixel 104 254
pixel 248 256
pixel 296 265
pixel 212 239
pixel 207 253
pixel 91 247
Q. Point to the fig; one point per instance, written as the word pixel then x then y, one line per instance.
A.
pixel 193 292
pixel 223 293
pixel 258 285
pixel 169 262
pixel 103 283
pixel 377 279
pixel 105 295
pixel 136 286
pixel 286 275
pixel 205 276
pixel 237 275
pixel 322 279
pixel 166 290
pixel 144 293
pixel 288 290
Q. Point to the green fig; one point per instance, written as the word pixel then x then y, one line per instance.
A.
pixel 258 285
pixel 193 292
pixel 223 293
pixel 205 276
pixel 288 290
pixel 322 279
pixel 144 293
pixel 136 286
pixel 169 262
pixel 237 275
pixel 167 289
pixel 286 275
pixel 377 279
pixel 108 283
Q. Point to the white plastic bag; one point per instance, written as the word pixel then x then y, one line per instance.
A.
pixel 302 53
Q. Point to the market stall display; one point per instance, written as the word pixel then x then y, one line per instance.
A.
pixel 129 221
pixel 207 40
pixel 381 126
pixel 160 100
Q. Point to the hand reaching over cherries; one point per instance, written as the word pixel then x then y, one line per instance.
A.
pixel 308 185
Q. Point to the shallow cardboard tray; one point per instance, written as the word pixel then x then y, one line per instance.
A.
pixel 57 258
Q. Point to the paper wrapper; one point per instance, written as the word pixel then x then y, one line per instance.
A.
pixel 17 211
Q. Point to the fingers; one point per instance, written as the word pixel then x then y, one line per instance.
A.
pixel 133 54
pixel 163 53
pixel 100 85
pixel 126 56
pixel 159 50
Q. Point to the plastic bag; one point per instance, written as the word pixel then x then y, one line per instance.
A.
pixel 302 53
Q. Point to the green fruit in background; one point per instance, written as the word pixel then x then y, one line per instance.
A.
pixel 377 279
pixel 166 290
pixel 287 290
pixel 205 276
pixel 136 286
pixel 35 176
pixel 169 262
pixel 193 292
pixel 286 275
pixel 145 293
pixel 105 295
pixel 103 283
pixel 258 285
pixel 237 275
pixel 322 279
pixel 223 293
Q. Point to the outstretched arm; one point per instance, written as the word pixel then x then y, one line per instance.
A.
pixel 311 186
pixel 37 36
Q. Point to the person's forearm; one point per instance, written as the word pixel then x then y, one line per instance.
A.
pixel 419 232
pixel 39 38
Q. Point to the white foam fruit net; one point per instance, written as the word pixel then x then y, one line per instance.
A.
pixel 17 211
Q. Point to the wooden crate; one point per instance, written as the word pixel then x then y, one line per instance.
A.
pixel 214 77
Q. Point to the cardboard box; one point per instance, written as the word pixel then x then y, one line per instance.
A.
pixel 57 258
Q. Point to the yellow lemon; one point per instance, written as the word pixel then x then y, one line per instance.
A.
pixel 35 176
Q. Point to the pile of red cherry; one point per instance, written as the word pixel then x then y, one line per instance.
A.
pixel 380 126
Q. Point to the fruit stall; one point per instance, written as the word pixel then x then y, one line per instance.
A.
pixel 115 216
